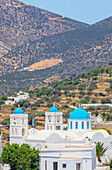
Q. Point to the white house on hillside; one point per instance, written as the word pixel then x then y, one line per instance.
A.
pixel 20 96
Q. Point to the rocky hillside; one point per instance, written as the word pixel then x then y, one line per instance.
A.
pixel 54 47
pixel 20 23
pixel 84 49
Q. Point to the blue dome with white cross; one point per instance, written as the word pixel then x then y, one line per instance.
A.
pixel 18 111
pixel 53 109
pixel 79 114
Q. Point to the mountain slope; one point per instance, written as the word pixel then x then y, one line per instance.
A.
pixel 80 48
pixel 80 51
pixel 21 23
pixel 31 36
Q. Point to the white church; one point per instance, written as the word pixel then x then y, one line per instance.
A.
pixel 61 149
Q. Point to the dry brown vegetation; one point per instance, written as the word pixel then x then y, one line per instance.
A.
pixel 44 64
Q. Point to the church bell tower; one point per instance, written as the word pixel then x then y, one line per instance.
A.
pixel 53 119
pixel 18 126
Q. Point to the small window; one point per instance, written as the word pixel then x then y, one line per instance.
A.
pixel 76 125
pixel 64 165
pixel 16 131
pixel 70 125
pixel 23 132
pixel 88 125
pixel 58 118
pixel 12 131
pixel 23 121
pixel 55 165
pixel 57 127
pixel 49 118
pixel 82 125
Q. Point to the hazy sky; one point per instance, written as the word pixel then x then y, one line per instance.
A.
pixel 88 11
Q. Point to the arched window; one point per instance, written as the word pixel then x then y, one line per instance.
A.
pixel 15 131
pixel 82 125
pixel 23 121
pixel 70 125
pixel 76 125
pixel 87 124
pixel 12 131
pixel 23 132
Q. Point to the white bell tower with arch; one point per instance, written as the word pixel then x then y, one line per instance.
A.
pixel 18 126
pixel 53 119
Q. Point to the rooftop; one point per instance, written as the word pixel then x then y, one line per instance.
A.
pixel 79 114
pixel 18 111
pixel 53 109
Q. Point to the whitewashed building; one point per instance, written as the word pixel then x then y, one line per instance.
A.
pixel 69 157
pixel 78 131
pixel 86 106
pixel 20 96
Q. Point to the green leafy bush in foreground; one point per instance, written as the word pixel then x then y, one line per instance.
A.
pixel 20 157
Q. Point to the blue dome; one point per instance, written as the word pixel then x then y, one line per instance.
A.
pixel 53 109
pixel 18 111
pixel 79 114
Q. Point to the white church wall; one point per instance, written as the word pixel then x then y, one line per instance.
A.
pixel 69 156
pixel 79 125
pixel 18 140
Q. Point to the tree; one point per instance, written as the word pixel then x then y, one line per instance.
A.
pixel 83 101
pixel 95 78
pixel 108 117
pixel 73 95
pixel 82 86
pixel 2 102
pixel 87 98
pixel 111 163
pixel 82 93
pixel 20 158
pixel 94 101
pixel 74 103
pixel 4 98
pixel 100 150
pixel 31 94
pixel 103 115
pixel 96 113
pixel 34 108
pixel 75 82
pixel 12 108
pixel 105 100
pixel 6 121
pixel 108 90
